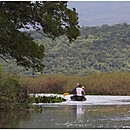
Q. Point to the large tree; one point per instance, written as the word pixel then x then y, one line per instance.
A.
pixel 53 18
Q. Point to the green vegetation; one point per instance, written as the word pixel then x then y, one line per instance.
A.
pixel 45 99
pixel 14 91
pixel 52 17
pixel 14 95
pixel 97 49
pixel 95 84
pixel 99 58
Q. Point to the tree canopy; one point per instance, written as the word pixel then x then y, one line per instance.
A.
pixel 53 18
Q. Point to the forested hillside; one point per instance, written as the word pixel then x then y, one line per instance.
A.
pixel 97 49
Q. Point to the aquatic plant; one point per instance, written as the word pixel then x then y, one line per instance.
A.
pixel 45 99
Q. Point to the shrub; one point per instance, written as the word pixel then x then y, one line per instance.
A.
pixel 12 93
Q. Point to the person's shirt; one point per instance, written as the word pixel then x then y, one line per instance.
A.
pixel 79 91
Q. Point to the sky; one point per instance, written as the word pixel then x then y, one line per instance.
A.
pixel 97 13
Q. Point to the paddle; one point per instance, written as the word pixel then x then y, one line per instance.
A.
pixel 64 94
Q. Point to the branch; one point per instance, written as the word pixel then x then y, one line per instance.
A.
pixel 4 59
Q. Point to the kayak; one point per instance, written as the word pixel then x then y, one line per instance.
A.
pixel 77 98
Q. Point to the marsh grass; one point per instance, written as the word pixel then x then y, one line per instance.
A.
pixel 54 83
pixel 101 83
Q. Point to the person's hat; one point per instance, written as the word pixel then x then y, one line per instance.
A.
pixel 83 87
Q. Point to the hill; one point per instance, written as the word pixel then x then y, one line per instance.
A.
pixel 97 13
pixel 97 49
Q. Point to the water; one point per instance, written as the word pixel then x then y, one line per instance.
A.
pixel 96 112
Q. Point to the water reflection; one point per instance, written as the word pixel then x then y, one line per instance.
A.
pixel 68 116
pixel 79 109
pixel 96 112
pixel 12 120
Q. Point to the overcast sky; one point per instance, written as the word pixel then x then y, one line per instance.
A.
pixel 96 13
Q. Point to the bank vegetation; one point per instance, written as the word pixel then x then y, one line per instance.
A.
pixel 15 91
pixel 95 84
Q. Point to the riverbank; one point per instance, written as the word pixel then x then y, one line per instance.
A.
pixel 14 106
pixel 14 90
pixel 95 84
pixel 15 96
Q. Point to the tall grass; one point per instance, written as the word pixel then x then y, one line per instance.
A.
pixel 51 84
pixel 102 83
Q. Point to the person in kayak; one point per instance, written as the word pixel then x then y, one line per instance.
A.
pixel 79 91
pixel 83 89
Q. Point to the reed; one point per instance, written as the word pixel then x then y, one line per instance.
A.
pixel 101 83
pixel 54 83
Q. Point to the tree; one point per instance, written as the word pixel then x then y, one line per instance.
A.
pixel 53 18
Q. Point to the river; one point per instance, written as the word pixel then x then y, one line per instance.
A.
pixel 97 112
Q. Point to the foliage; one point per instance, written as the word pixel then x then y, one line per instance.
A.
pixel 12 93
pixel 53 18
pixel 97 49
pixel 45 99
pixel 14 96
